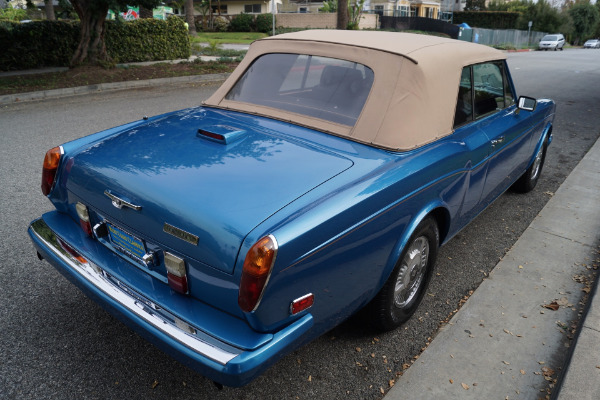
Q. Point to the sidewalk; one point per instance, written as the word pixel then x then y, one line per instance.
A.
pixel 503 344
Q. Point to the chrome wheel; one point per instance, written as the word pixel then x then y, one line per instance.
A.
pixel 412 272
pixel 537 163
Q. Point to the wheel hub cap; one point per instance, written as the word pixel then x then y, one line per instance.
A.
pixel 412 272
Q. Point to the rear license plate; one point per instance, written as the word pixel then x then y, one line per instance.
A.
pixel 126 242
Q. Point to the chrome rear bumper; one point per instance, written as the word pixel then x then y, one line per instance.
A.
pixel 151 313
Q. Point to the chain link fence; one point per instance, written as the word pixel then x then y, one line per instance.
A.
pixel 504 37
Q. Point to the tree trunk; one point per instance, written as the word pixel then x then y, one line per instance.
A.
pixel 189 16
pixel 342 14
pixel 49 6
pixel 91 48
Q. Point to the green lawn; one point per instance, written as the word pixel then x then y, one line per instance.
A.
pixel 228 37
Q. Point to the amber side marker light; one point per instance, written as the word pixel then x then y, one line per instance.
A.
pixel 256 272
pixel 51 161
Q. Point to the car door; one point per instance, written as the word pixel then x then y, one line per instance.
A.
pixel 507 129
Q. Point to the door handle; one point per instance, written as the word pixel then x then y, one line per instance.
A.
pixel 498 141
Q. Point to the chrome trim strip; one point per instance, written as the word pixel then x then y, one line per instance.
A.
pixel 120 203
pixel 147 310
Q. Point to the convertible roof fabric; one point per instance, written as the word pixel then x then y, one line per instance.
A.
pixel 413 97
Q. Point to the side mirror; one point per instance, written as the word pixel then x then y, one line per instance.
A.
pixel 527 103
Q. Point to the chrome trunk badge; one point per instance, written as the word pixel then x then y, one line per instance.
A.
pixel 180 234
pixel 120 203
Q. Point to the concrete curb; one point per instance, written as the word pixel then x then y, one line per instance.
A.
pixel 503 341
pixel 54 93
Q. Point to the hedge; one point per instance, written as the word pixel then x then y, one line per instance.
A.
pixel 40 44
pixel 487 19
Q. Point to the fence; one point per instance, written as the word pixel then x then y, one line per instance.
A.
pixel 516 38
pixel 419 24
pixel 320 20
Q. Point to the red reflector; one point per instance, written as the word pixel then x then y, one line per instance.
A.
pixel 51 161
pixel 302 303
pixel 178 283
pixel 72 251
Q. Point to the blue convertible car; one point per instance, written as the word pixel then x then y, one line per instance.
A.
pixel 319 179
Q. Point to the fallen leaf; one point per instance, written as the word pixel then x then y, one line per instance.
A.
pixel 547 372
pixel 465 386
pixel 392 382
pixel 381 390
pixel 552 306
pixel 358 349
pixel 522 372
pixel 520 267
pixel 310 378
pixel 405 366
pixel 372 355
pixel 451 381
pixel 154 384
pixel 506 362
pixel 541 362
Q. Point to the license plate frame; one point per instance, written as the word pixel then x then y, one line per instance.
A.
pixel 125 242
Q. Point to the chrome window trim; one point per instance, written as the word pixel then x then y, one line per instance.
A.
pixel 148 311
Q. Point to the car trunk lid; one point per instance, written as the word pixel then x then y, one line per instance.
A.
pixel 197 196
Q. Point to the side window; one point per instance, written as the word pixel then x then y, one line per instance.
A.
pixel 509 98
pixel 489 88
pixel 464 103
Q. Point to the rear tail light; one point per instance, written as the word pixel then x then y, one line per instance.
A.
pixel 51 161
pixel 176 273
pixel 256 272
pixel 84 218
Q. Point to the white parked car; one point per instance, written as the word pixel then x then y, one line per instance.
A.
pixel 592 44
pixel 552 42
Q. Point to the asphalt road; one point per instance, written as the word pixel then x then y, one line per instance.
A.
pixel 57 344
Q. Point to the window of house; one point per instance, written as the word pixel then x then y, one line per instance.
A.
pixel 252 8
pixel 378 10
pixel 215 8
pixel 403 11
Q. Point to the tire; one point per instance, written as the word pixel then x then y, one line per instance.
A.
pixel 529 179
pixel 399 298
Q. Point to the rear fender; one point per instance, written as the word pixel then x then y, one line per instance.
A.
pixel 410 229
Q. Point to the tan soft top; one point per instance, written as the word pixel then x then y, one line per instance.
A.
pixel 413 97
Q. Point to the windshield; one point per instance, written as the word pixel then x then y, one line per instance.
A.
pixel 550 38
pixel 326 88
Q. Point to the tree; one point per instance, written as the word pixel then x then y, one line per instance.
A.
pixel 342 14
pixel 49 6
pixel 475 5
pixel 189 16
pixel 545 17
pixel 92 15
pixel 585 20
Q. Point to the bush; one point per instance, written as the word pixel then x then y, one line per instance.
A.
pixel 37 44
pixel 242 23
pixel 147 40
pixel 264 23
pixel 52 43
pixel 487 19
pixel 220 24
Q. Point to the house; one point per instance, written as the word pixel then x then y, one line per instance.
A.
pixel 405 8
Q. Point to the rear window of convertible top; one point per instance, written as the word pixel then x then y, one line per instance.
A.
pixel 321 87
